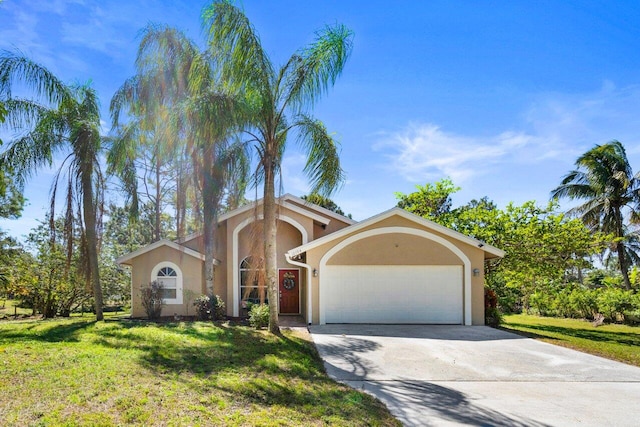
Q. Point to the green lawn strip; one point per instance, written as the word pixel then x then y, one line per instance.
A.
pixel 79 372
pixel 617 342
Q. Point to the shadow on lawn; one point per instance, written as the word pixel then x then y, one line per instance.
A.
pixel 37 330
pixel 625 338
pixel 205 348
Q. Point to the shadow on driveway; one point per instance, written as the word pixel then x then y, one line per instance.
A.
pixel 424 404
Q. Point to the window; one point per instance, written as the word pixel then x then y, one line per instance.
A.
pixel 251 276
pixel 170 276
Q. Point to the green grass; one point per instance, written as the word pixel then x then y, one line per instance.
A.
pixel 9 308
pixel 81 372
pixel 618 342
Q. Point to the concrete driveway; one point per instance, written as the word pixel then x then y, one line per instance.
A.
pixel 476 375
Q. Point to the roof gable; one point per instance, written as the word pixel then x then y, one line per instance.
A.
pixel 288 201
pixel 164 242
pixel 493 252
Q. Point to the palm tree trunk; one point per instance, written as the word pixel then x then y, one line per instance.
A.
pixel 210 202
pixel 270 250
pixel 89 214
pixel 622 259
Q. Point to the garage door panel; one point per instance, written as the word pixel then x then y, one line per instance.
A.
pixel 393 294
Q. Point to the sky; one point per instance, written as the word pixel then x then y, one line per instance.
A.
pixel 499 96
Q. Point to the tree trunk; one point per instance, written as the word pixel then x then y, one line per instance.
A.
pixel 181 200
pixel 157 207
pixel 622 259
pixel 89 214
pixel 211 194
pixel 270 250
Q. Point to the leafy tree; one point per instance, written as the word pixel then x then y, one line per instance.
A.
pixel 280 98
pixel 59 286
pixel 59 117
pixel 604 179
pixel 431 201
pixel 11 198
pixel 9 252
pixel 542 246
pixel 122 236
pixel 325 202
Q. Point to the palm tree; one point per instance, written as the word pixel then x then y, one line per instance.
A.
pixel 605 180
pixel 280 98
pixel 58 118
pixel 201 117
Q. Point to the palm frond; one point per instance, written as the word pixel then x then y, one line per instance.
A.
pixel 18 70
pixel 323 158
pixel 321 64
pixel 235 43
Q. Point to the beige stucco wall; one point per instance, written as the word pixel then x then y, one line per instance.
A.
pixel 141 269
pixel 410 250
pixel 289 237
pixel 320 230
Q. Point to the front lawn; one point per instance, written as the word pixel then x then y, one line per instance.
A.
pixel 618 342
pixel 79 372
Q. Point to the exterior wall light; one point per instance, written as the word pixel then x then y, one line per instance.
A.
pixel 315 273
pixel 476 272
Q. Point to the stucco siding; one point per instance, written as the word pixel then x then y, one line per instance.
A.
pixel 142 266
pixel 394 249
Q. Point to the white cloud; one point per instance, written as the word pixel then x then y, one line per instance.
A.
pixel 555 126
pixel 426 151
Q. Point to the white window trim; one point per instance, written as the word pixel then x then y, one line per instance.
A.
pixel 154 276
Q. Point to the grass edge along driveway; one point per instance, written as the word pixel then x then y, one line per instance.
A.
pixel 82 372
pixel 616 342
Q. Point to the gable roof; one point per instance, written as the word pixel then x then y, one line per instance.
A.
pixel 164 242
pixel 313 211
pixel 493 252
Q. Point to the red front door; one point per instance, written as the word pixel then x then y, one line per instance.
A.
pixel 289 284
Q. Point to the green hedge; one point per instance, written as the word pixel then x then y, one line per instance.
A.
pixel 615 304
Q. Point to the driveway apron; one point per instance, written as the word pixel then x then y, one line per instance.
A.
pixel 431 375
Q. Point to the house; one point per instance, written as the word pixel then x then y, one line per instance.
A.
pixel 394 267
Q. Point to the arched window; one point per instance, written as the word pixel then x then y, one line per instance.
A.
pixel 170 276
pixel 252 282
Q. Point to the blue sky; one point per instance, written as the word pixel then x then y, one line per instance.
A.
pixel 499 96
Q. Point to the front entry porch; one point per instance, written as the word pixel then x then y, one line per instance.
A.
pixel 291 321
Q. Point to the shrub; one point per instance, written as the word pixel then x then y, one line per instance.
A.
pixel 541 303
pixel 584 303
pixel 210 308
pixel 152 299
pixel 613 302
pixel 259 316
pixel 492 315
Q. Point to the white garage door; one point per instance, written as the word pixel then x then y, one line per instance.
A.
pixel 392 294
